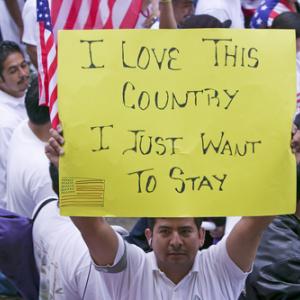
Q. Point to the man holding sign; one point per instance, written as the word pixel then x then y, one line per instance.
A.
pixel 175 268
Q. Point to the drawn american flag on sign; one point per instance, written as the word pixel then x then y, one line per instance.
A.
pixel 75 189
pixel 74 14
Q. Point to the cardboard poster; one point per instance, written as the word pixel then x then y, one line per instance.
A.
pixel 177 122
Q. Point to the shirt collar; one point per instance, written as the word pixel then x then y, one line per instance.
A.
pixel 155 268
pixel 10 101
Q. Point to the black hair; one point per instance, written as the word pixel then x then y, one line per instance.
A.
pixel 288 20
pixel 38 115
pixel 54 177
pixel 151 222
pixel 204 21
pixel 6 49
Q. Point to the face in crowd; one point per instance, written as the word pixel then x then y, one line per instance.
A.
pixel 175 242
pixel 14 79
pixel 182 10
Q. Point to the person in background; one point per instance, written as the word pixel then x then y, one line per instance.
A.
pixel 180 10
pixel 222 10
pixel 28 180
pixel 276 271
pixel 14 81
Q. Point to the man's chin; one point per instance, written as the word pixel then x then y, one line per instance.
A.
pixel 23 88
pixel 21 92
pixel 177 257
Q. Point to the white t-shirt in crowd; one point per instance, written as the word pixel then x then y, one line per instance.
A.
pixel 66 271
pixel 222 10
pixel 251 4
pixel 63 261
pixel 8 27
pixel 30 34
pixel 12 112
pixel 213 276
pixel 28 178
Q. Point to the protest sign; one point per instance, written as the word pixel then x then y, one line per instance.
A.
pixel 177 122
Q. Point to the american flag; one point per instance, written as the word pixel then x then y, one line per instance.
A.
pixel 268 11
pixel 75 14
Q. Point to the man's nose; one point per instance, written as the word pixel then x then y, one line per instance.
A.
pixel 176 240
pixel 23 71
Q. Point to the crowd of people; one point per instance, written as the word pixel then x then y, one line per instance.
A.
pixel 160 258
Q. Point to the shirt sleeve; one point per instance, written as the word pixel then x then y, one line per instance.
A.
pixel 30 34
pixel 40 186
pixel 231 279
pixel 120 261
pixel 5 135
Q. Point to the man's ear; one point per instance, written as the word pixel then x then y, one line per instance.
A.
pixel 201 233
pixel 2 82
pixel 148 234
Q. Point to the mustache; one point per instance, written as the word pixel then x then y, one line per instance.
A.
pixel 176 250
pixel 23 79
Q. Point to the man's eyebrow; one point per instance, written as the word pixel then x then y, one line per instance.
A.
pixel 164 227
pixel 16 65
pixel 12 67
pixel 186 227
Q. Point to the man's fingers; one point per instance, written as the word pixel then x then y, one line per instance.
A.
pixel 55 147
pixel 295 143
pixel 57 136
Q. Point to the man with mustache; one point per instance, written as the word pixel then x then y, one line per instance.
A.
pixel 175 269
pixel 14 81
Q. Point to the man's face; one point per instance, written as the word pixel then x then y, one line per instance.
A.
pixel 182 10
pixel 14 79
pixel 175 242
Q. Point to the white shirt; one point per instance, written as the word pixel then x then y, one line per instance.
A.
pixel 251 4
pixel 12 112
pixel 30 34
pixel 8 27
pixel 213 276
pixel 65 269
pixel 222 10
pixel 28 178
pixel 63 260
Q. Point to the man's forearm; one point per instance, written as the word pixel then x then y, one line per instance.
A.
pixel 244 239
pixel 14 10
pixel 99 237
pixel 167 18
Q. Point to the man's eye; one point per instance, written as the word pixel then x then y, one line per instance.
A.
pixel 12 71
pixel 186 232
pixel 164 231
pixel 24 65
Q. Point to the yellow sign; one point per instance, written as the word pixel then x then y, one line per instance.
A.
pixel 177 122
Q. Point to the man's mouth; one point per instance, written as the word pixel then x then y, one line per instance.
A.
pixel 176 253
pixel 23 80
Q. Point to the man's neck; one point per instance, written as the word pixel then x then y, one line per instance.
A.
pixel 14 95
pixel 175 273
pixel 40 131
